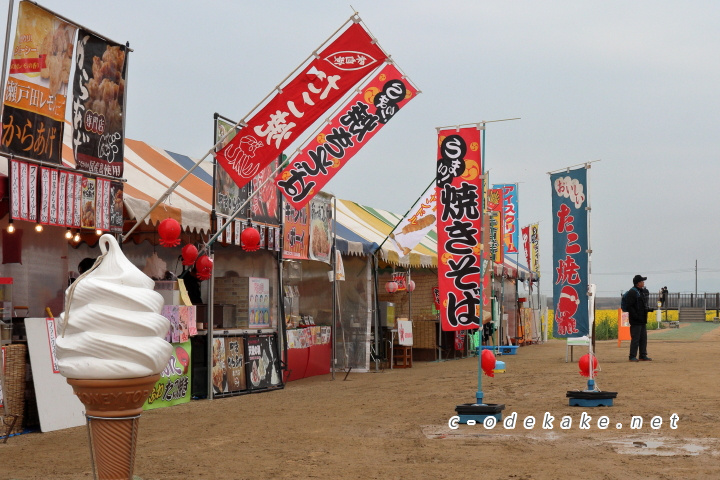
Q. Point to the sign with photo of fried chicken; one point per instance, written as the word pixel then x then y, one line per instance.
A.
pixel 97 117
pixel 35 94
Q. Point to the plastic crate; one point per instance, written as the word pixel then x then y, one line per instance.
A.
pixel 502 349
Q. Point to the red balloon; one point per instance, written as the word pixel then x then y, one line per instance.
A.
pixel 204 267
pixel 169 231
pixel 189 254
pixel 584 364
pixel 411 286
pixel 391 287
pixel 488 363
pixel 250 239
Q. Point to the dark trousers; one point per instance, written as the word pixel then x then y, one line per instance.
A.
pixel 638 335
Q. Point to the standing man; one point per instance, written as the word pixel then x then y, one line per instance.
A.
pixel 634 302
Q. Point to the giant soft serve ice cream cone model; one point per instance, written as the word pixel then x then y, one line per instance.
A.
pixel 112 350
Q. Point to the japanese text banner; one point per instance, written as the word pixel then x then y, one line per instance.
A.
pixel 495 212
pixel 416 224
pixel 99 93
pixel 458 193
pixel 333 72
pixel 353 126
pixel 570 244
pixel 535 249
pixel 510 216
pixel 34 102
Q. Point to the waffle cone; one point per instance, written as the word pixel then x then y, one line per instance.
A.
pixel 112 407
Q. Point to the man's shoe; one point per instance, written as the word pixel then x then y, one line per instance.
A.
pixel 645 359
pixel 633 359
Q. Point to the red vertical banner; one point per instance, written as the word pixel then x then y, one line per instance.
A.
pixel 459 190
pixel 525 232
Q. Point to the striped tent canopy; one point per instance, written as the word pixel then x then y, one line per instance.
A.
pixel 149 172
pixel 361 230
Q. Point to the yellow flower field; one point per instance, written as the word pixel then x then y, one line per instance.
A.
pixel 606 321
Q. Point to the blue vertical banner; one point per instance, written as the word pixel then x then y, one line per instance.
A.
pixel 570 253
pixel 511 231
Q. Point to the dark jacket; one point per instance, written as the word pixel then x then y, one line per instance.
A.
pixel 636 307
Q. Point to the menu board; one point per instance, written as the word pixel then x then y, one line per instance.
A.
pixel 219 366
pixel 262 362
pixel 235 362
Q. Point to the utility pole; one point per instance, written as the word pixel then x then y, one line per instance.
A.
pixel 696 278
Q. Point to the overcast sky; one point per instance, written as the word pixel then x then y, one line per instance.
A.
pixel 635 85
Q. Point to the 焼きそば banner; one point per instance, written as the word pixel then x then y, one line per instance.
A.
pixel 570 245
pixel 353 126
pixel 314 90
pixel 459 190
pixel 510 216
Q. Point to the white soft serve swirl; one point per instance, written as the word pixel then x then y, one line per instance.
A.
pixel 114 327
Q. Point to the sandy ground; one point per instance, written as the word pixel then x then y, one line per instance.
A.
pixel 394 424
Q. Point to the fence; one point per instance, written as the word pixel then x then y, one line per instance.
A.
pixel 708 301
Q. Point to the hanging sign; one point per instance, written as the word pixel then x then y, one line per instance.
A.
pixel 320 228
pixel 34 103
pixel 570 245
pixel 353 126
pixel 297 232
pixel 99 93
pixel 459 190
pixel 228 196
pixel 23 190
pixel 300 102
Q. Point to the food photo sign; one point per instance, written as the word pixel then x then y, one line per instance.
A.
pixel 262 362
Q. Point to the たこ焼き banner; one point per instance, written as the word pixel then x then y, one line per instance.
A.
pixel 35 94
pixel 510 216
pixel 353 126
pixel 299 103
pixel 570 245
pixel 459 190
pixel 99 92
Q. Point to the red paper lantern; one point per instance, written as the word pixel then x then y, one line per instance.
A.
pixel 250 239
pixel 391 287
pixel 584 364
pixel 204 267
pixel 169 231
pixel 189 254
pixel 488 363
pixel 411 286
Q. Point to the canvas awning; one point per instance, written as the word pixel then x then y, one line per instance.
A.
pixel 149 172
pixel 365 228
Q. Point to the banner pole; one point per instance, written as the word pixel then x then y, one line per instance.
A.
pixel 406 213
pixel 354 18
pixel 239 209
pixel 11 4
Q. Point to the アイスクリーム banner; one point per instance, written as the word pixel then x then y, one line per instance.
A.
pixel 510 216
pixel 459 190
pixel 353 126
pixel 570 245
pixel 314 90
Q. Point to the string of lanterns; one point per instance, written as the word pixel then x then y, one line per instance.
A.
pixel 169 232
